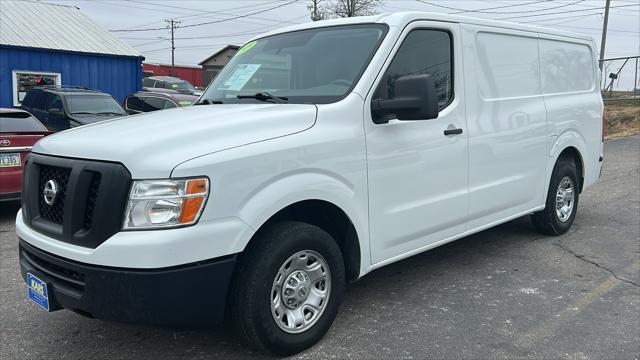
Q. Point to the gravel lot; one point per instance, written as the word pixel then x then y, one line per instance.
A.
pixel 504 293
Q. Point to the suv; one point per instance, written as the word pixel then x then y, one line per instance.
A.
pixel 146 101
pixel 297 172
pixel 59 108
pixel 171 83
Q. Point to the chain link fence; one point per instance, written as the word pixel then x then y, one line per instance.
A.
pixel 620 78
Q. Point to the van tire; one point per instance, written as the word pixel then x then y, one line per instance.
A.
pixel 548 221
pixel 250 301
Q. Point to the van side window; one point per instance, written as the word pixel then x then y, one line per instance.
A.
pixel 422 52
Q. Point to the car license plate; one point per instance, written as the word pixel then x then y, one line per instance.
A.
pixel 9 160
pixel 38 291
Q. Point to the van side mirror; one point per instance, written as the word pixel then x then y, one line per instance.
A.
pixel 415 99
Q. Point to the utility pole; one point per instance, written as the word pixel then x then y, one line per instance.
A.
pixel 604 32
pixel 173 24
pixel 316 13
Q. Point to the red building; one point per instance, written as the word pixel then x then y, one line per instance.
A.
pixel 192 74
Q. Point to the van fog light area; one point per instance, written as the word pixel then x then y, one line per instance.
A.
pixel 165 203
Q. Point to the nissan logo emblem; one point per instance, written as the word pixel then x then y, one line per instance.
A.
pixel 5 142
pixel 50 192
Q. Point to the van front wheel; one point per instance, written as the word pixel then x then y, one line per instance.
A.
pixel 562 200
pixel 288 286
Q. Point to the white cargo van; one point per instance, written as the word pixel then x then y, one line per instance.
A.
pixel 321 152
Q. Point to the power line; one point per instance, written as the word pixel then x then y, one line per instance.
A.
pixel 564 12
pixel 199 12
pixel 483 11
pixel 212 22
pixel 203 13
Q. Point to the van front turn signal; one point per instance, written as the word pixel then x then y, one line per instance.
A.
pixel 167 203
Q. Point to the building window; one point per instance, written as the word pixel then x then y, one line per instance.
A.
pixel 24 81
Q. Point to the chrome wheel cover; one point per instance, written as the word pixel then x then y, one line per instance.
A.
pixel 565 196
pixel 300 291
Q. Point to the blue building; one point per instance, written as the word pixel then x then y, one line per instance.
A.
pixel 47 44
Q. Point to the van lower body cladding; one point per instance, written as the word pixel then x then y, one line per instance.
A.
pixel 187 295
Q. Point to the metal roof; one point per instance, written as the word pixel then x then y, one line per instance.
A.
pixel 59 27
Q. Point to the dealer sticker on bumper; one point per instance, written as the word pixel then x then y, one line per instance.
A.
pixel 38 291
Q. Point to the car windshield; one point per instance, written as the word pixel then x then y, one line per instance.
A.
pixel 94 104
pixel 181 85
pixel 310 66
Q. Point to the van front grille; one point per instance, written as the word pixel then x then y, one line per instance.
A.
pixel 54 212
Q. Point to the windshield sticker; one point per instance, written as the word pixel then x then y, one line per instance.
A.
pixel 240 77
pixel 246 47
pixel 184 103
pixel 174 85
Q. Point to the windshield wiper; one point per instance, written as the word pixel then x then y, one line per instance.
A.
pixel 83 113
pixel 265 96
pixel 207 102
pixel 108 113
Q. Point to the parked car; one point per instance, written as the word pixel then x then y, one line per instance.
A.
pixel 170 82
pixel 297 172
pixel 19 130
pixel 60 108
pixel 146 101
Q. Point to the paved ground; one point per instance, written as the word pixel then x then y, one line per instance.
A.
pixel 504 293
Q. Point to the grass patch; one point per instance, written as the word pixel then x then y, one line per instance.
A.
pixel 622 118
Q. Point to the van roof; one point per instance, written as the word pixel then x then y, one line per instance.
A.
pixel 400 19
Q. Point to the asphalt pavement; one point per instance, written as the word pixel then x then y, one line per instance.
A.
pixel 506 292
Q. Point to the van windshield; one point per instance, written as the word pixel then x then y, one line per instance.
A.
pixel 308 66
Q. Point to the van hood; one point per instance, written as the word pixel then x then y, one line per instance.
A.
pixel 150 145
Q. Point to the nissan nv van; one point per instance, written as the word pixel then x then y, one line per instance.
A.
pixel 321 152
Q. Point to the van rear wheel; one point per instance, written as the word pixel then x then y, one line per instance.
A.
pixel 562 200
pixel 288 287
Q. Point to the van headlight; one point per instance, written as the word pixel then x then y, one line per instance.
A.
pixel 165 203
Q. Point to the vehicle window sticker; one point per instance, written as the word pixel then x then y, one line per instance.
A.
pixel 240 76
pixel 246 47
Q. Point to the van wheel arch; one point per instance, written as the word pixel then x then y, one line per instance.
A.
pixel 573 154
pixel 330 218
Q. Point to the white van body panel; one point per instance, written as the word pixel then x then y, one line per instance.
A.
pixel 404 186
pixel 326 162
pixel 140 142
pixel 507 123
pixel 415 172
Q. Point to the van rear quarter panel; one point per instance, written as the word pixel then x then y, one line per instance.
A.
pixel 568 70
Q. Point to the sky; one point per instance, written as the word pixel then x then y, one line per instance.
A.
pixel 236 21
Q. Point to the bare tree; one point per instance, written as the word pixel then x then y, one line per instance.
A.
pixel 351 8
pixel 317 12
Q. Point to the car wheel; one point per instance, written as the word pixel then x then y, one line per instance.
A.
pixel 562 200
pixel 288 286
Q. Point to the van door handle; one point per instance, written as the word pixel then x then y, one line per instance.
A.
pixel 453 132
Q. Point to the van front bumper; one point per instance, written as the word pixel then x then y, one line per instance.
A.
pixel 181 296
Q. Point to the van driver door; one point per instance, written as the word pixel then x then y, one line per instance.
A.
pixel 418 170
